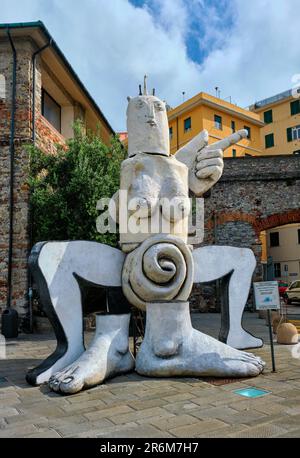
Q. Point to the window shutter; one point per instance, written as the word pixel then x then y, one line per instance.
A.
pixel 295 107
pixel 289 134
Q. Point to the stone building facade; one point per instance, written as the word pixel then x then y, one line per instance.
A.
pixel 63 84
pixel 253 195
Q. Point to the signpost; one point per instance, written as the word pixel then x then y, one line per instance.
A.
pixel 266 295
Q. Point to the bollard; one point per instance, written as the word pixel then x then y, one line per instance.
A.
pixel 10 323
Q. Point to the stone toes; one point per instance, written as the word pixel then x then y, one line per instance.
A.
pixel 71 384
pixel 54 384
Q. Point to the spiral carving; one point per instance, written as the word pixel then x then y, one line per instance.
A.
pixel 160 269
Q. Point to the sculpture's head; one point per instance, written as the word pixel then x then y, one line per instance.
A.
pixel 147 125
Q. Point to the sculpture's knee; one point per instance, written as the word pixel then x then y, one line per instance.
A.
pixel 247 259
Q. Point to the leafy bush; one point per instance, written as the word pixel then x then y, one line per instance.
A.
pixel 65 187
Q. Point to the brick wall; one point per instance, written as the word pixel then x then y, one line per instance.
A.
pixel 46 137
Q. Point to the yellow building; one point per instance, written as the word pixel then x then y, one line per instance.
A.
pixel 220 118
pixel 281 116
pixel 283 245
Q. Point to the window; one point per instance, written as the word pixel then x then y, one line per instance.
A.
pixel 293 133
pixel 296 133
pixel 171 132
pixel 274 239
pixel 268 116
pixel 249 131
pixel 218 122
pixel 277 269
pixel 269 140
pixel 51 110
pixel 298 235
pixel 187 124
pixel 233 126
pixel 233 152
pixel 295 107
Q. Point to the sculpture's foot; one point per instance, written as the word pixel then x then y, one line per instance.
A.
pixel 108 355
pixel 173 348
pixel 242 339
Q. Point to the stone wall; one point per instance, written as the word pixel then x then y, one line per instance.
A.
pixel 20 196
pixel 46 137
pixel 254 194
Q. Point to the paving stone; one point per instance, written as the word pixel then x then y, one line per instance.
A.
pixel 201 427
pixel 42 409
pixel 289 422
pixel 145 403
pixel 147 431
pixel 138 415
pixel 223 432
pixel 178 397
pixel 180 407
pixel 221 413
pixel 174 421
pixel 245 417
pixel 44 434
pixel 19 431
pixel 70 429
pixel 149 420
pixel 108 412
pixel 8 412
pixel 107 432
pixel 83 406
pixel 134 406
pixel 295 433
pixel 261 431
pixel 3 423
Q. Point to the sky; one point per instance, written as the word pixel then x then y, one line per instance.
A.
pixel 250 50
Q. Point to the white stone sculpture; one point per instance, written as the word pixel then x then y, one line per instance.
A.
pixel 157 267
pixel 172 347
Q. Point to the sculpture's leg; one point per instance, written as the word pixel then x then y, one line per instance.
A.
pixel 214 262
pixel 172 347
pixel 57 268
pixel 108 355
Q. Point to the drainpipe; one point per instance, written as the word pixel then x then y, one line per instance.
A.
pixel 12 157
pixel 10 316
pixel 34 56
pixel 33 138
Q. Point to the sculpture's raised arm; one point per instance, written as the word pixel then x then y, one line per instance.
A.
pixel 205 163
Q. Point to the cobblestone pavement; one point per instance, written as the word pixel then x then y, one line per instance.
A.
pixel 134 406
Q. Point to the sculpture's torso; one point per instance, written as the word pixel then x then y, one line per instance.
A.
pixel 151 182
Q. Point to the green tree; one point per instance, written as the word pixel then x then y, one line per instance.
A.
pixel 65 187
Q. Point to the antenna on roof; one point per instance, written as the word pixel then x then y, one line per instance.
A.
pixel 183 96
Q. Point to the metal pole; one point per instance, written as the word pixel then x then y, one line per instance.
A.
pixel 271 341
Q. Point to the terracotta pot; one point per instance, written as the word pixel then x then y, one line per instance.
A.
pixel 287 334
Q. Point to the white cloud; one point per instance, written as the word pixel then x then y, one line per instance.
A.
pixel 251 48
